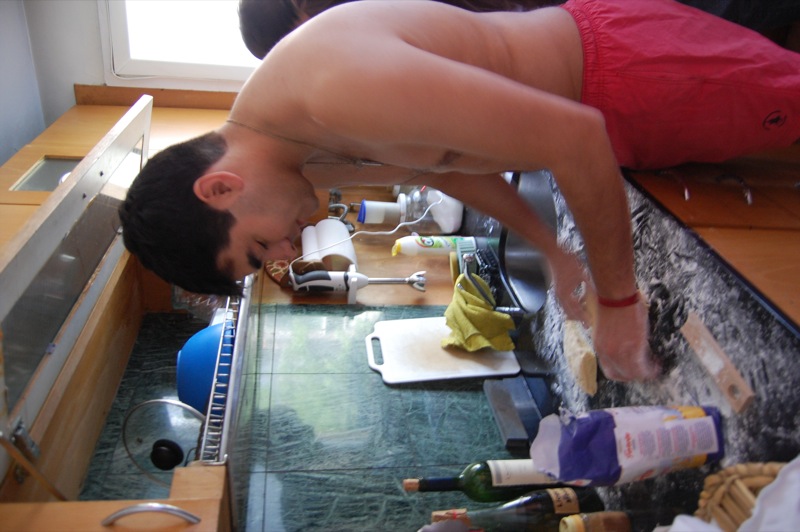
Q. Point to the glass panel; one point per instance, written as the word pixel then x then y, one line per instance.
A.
pixel 154 36
pixel 146 42
pixel 128 170
pixel 46 174
pixel 35 320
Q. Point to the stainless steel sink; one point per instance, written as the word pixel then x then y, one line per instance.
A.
pixel 523 267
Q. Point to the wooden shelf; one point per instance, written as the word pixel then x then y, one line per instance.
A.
pixel 715 195
pixel 759 240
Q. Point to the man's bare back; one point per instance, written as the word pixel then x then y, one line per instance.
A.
pixel 327 85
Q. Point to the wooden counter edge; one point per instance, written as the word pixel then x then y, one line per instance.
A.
pixel 127 96
pixel 198 488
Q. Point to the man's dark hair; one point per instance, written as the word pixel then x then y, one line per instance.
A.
pixel 264 22
pixel 169 229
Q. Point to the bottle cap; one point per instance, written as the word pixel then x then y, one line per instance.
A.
pixel 379 212
pixel 572 523
pixel 402 206
pixel 411 484
pixel 463 247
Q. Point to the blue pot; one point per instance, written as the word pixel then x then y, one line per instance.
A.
pixel 196 362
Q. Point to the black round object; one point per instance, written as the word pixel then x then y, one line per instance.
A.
pixel 166 454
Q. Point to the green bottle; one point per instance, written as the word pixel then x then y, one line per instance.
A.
pixel 489 481
pixel 539 511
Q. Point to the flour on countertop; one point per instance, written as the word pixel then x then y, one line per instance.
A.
pixel 679 273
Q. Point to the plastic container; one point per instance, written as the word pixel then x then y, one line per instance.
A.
pixel 429 245
pixel 197 361
pixel 443 217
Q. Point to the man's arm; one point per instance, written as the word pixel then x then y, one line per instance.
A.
pixel 493 196
pixel 419 101
pixel 619 334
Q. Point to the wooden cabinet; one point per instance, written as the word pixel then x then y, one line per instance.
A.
pixel 748 212
pixel 739 194
pixel 65 415
pixel 63 315
pixel 72 136
pixel 200 490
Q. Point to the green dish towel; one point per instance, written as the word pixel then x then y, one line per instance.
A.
pixel 473 322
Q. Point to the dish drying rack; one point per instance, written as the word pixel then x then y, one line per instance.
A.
pixel 220 418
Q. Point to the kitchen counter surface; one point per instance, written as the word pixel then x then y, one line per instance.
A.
pixel 326 444
pixel 322 443
pixel 423 424
pixel 679 274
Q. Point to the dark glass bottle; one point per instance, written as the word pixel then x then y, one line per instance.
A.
pixel 489 481
pixel 539 511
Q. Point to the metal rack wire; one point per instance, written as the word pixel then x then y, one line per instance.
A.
pixel 220 418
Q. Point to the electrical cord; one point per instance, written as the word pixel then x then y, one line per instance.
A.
pixel 376 233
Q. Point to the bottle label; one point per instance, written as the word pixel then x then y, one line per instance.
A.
pixel 653 441
pixel 565 500
pixel 627 443
pixel 435 242
pixel 517 473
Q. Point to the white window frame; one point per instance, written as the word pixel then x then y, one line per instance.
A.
pixel 120 69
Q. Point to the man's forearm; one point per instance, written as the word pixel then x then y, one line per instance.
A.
pixel 604 223
pixel 594 191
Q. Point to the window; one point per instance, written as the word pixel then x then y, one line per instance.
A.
pixel 174 44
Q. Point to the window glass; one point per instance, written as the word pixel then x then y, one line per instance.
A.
pixel 174 39
pixel 201 32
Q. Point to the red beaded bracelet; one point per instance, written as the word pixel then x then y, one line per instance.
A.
pixel 619 303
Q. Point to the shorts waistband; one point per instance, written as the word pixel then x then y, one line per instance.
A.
pixel 591 93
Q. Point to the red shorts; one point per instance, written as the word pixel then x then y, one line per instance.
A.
pixel 678 85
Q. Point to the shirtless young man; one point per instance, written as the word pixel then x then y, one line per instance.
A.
pixel 451 99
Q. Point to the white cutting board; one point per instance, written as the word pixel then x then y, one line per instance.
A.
pixel 412 352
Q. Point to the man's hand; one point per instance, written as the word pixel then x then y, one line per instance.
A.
pixel 619 335
pixel 620 341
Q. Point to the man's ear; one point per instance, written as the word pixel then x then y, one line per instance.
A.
pixel 218 190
